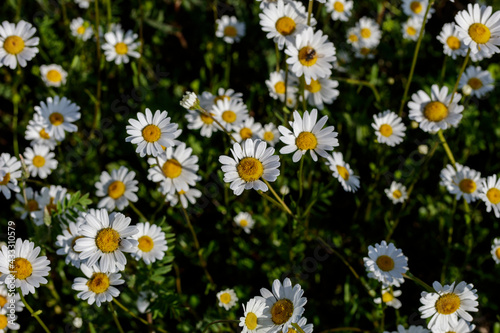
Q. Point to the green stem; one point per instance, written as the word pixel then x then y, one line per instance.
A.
pixel 33 313
pixel 459 76
pixel 276 49
pixel 309 12
pixel 415 279
pixel 137 211
pixel 361 83
pixel 219 321
pixel 115 318
pixel 124 308
pixel 97 110
pixel 298 328
pixel 109 13
pixel 15 101
pixel 282 203
pixel 446 148
pixel 443 70
pixel 301 177
pixel 450 238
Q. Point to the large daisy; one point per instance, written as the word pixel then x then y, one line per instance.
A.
pixel 480 81
pixel 386 263
pixel 389 128
pixel 343 172
pixel 489 192
pixel 230 112
pixel 117 189
pixel 53 75
pixel 340 9
pixel 253 320
pixel 452 42
pixel 151 243
pixel 230 29
pixel 17 44
pixel 10 171
pixel 248 129
pixel 36 132
pixel 40 161
pixel 119 46
pixel 321 91
pixel 58 115
pixel 460 327
pixel 495 250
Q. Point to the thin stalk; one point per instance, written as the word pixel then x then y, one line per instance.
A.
pixel 309 12
pixel 446 148
pixel 301 177
pixel 33 313
pixel 285 116
pixel 141 39
pixel 282 203
pixel 303 92
pixel 450 238
pixel 459 76
pixel 109 13
pixel 443 70
pixel 361 83
pixel 124 308
pixel 97 110
pixel 274 202
pixel 219 321
pixel 227 73
pixel 415 279
pixel 277 50
pixel 137 211
pixel 115 318
pixel 15 101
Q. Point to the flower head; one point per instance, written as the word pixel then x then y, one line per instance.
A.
pixel 386 263
pixel 17 44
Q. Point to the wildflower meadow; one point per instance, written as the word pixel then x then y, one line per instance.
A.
pixel 260 166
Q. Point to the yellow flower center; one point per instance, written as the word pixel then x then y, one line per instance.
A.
pixel 116 189
pixel 230 31
pixel 353 38
pixel 22 269
pixel 225 298
pixel 146 243
pixel 43 134
pixel 121 48
pixel 497 252
pixel 13 45
pixel 343 172
pixel 285 25
pixel 250 169
pixel 220 98
pixel 243 223
pixel 3 301
pixel 306 140
pixel 181 192
pixel 229 116
pixel 385 263
pixel 366 33
pixel 280 87
pixel 447 304
pixel 435 111
pixel 291 330
pixel 281 311
pixel 251 321
pixel 386 130
pixel 73 243
pixel 80 30
pixel 5 179
pixel 397 194
pixel 268 136
pixel 172 168
pixel 475 83
pixel 54 76
pixel 38 161
pixel 314 87
pixel 206 119
pixel 107 240
pixel 453 42
pixel 411 31
pixel 3 321
pixel 479 33
pixel 245 133
pixel 32 206
pixel 365 51
pixel 98 283
pixel 338 6
pixel 56 118
pixel 467 185
pixel 308 56
pixel 387 297
pixel 416 7
pixel 151 133
pixel 493 195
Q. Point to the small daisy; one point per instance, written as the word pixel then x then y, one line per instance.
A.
pixel 8 320
pixel 361 51
pixel 33 208
pixel 248 129
pixel 152 244
pixel 118 47
pixel 417 8
pixel 479 28
pixel 411 28
pixel 340 9
pixel 230 112
pixel 343 172
pixel 185 197
pixel 50 196
pixel 270 134
pixel 353 36
pixel 448 304
pixel 452 42
pixel 389 128
pixel 490 193
pixel 10 170
pixel 175 170
pixel 81 29
pixel 6 300
pixel 83 3
pixel 117 189
pixel 253 320
pixel 481 82
pixel 229 29
pixel 386 263
pixel 460 327
pixel 53 75
pixel 27 268
pixel 495 250
pixel 227 298
pixel 203 122
pixel 99 285
pixel 311 55
pixel 244 220
pixel 17 44
pixel 66 242
pixel 307 135
pixel 321 91
pixel 251 161
pixel 105 238
pixel 36 133
pixel 467 183
pixel 59 115
pixel 369 32
pixel 40 161
pixel 389 298
pixel 411 329
pixel 152 132
pixel 396 192
pixel 434 112
pixel 276 85
pixel 229 94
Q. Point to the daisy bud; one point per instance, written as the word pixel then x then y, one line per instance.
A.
pixel 423 149
pixel 467 90
pixel 190 101
pixel 284 190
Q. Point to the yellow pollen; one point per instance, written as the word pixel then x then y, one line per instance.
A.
pixel 225 298
pixel 314 87
pixel 181 192
pixel 56 118
pixel 245 133
pixel 98 283
pixel 206 119
pixel 343 172
pixel 172 168
pixel 497 252
pixel 285 25
pixel 243 223
pixel 229 116
pixel 116 189
pixel 220 98
pixel 268 136
pixel 353 38
pixel 447 304
pixel 13 45
pixel 387 297
pixel 151 133
pixel 467 185
pixel 3 321
pixel 250 169
pixel 107 240
pixel 475 83
pixel 493 195
pixel 32 206
pixel 121 48
pixel 411 31
pixel 22 269
pixel 43 134
pixel 281 311
pixel 416 7
pixel 280 87
pixel 338 6
pixel 366 33
pixel 435 111
pixel 385 130
pixel 73 243
pixel 397 194
pixel 306 140
pixel 251 321
pixel 453 42
pixel 308 56
pixel 80 30
pixel 230 31
pixel 5 179
pixel 479 33
pixel 38 161
pixel 54 76
pixel 146 243
pixel 3 301
pixel 385 263
pixel 291 330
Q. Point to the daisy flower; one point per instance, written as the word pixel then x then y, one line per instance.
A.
pixel 251 161
pixel 6 300
pixel 227 298
pixel 361 51
pixel 230 112
pixel 175 170
pixel 452 42
pixel 253 320
pixel 302 323
pixel 245 221
pixel 343 172
pixel 10 170
pixel 447 304
pixel 17 44
pixel 417 8
pixel 99 285
pixel 479 28
pixel 189 101
pixel 311 55
pixel 396 192
pixel 58 115
pixel 8 320
pixel 495 250
pixel 411 329
pixel 353 36
pixel 151 243
pixel 248 129
pixel 229 29
pixel 81 29
pixel 489 192
pixel 434 112
pixel 369 32
pixel 481 82
pixel 270 134
pixel 411 28
pixel 118 47
pixel 386 263
pixel 460 327
pixel 482 54
pixel 466 183
pixel 34 206
pixel 105 238
pixel 83 3
pixel 185 197
pixel 389 298
pixel 307 135
pixel 199 120
pixel 117 189
pixel 40 161
pixel 53 75
pixel 389 128
pixel 340 9
pixel 152 132
pixel 276 85
pixel 27 268
pixel 448 173
pixel 50 196
pixel 229 94
pixel 66 242
pixel 321 91
pixel 36 133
